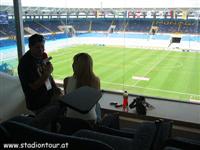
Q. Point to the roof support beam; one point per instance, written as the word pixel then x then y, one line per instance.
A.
pixel 19 28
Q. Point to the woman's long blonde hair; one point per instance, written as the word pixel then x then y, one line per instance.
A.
pixel 83 70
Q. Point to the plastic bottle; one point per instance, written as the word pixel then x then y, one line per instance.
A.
pixel 125 100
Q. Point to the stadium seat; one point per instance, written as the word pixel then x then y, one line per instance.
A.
pixel 4 135
pixel 142 140
pixel 70 125
pixel 163 132
pixel 20 132
pixel 183 143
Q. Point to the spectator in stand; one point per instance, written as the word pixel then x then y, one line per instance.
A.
pixel 83 76
pixel 38 85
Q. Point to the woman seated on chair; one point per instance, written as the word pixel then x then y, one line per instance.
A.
pixel 83 75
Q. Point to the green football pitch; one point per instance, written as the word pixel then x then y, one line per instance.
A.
pixel 157 73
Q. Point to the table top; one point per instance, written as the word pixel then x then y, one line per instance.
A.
pixel 172 110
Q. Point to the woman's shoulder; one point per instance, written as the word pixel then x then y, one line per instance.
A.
pixel 69 84
pixel 97 82
pixel 68 78
pixel 97 79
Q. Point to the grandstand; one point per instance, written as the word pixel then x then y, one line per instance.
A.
pixel 125 21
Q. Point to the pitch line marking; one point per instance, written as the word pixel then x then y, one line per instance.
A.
pixel 153 89
pixel 152 68
pixel 140 78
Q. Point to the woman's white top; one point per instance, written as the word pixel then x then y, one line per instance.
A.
pixel 91 115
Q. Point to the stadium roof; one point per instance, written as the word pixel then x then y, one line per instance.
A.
pixel 90 7
pixel 108 3
pixel 31 11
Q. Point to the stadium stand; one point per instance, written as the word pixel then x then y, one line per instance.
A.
pixel 50 28
pixel 98 25
pixel 129 25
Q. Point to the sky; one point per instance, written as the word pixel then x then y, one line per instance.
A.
pixel 109 3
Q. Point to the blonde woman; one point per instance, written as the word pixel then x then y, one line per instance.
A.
pixel 83 76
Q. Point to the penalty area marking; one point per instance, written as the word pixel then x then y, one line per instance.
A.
pixel 195 99
pixel 140 78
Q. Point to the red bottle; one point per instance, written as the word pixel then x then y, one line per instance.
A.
pixel 125 100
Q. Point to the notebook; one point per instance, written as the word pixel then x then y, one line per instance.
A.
pixel 82 99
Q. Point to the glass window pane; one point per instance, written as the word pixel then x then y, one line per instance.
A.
pixel 146 48
pixel 8 50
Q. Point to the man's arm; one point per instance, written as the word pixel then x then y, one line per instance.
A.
pixel 56 89
pixel 65 82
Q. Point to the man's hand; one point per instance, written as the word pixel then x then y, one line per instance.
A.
pixel 48 69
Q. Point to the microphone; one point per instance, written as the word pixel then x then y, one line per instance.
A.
pixel 46 59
